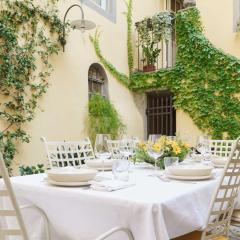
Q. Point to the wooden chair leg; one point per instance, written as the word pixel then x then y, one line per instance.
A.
pixel 190 236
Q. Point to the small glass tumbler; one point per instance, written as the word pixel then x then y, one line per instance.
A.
pixel 120 169
pixel 170 161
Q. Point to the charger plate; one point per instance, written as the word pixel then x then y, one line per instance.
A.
pixel 177 177
pixel 68 184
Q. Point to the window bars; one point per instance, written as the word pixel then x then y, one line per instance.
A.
pixel 223 202
pixel 68 153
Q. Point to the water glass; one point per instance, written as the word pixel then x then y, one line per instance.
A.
pixel 120 169
pixel 170 161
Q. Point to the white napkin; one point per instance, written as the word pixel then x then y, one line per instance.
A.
pixel 110 185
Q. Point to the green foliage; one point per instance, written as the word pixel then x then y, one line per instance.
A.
pixel 123 78
pixel 29 170
pixel 151 31
pixel 103 117
pixel 129 35
pixel 205 80
pixel 28 37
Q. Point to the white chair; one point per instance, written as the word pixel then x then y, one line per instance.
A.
pixel 222 206
pixel 15 212
pixel 221 148
pixel 68 153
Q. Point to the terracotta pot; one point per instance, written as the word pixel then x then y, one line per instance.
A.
pixel 149 68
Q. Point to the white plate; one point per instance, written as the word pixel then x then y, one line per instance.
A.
pixel 218 165
pixel 98 163
pixel 219 160
pixel 68 184
pixel 190 170
pixel 189 177
pixel 71 174
pixel 105 169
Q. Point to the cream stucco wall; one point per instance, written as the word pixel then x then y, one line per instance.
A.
pixel 65 104
pixel 217 18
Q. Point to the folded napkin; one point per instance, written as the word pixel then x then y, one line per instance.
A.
pixel 110 185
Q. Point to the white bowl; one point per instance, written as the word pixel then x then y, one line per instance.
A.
pixel 70 174
pixel 98 163
pixel 190 170
pixel 217 160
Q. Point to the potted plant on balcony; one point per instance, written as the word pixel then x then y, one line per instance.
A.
pixel 151 31
pixel 151 54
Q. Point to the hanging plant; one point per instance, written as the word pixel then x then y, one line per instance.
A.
pixel 103 118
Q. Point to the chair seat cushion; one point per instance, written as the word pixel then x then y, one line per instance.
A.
pixel 236 215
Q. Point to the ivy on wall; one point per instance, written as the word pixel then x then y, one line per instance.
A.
pixel 205 80
pixel 28 38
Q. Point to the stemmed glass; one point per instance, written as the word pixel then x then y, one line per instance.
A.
pixel 203 147
pixel 101 148
pixel 155 151
pixel 153 137
pixel 126 148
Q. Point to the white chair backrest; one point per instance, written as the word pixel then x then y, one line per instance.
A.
pixel 113 147
pixel 68 153
pixel 223 200
pixel 7 192
pixel 221 148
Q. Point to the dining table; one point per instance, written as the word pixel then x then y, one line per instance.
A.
pixel 152 208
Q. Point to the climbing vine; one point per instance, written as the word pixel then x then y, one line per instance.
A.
pixel 28 37
pixel 205 80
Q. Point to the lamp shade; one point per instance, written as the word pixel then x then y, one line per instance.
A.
pixel 83 24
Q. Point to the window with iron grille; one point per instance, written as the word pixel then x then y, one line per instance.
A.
pixel 97 80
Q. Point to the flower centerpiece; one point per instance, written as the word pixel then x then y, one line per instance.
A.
pixel 169 147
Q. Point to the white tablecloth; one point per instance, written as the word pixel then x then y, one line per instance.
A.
pixel 152 209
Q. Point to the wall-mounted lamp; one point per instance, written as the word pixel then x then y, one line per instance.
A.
pixel 81 24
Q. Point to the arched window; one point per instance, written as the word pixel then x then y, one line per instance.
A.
pixel 97 80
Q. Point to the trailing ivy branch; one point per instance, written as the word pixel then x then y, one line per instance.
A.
pixel 28 38
pixel 205 80
pixel 123 78
pixel 129 35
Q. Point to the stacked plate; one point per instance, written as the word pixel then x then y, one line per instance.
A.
pixel 219 162
pixel 189 172
pixel 70 176
pixel 99 164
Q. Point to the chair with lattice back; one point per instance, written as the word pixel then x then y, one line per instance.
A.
pixel 221 148
pixel 68 153
pixel 222 206
pixel 14 210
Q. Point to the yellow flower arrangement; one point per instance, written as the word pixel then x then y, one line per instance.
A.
pixel 169 147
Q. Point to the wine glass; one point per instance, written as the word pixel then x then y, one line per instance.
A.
pixel 203 148
pixel 126 148
pixel 155 151
pixel 153 137
pixel 101 148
